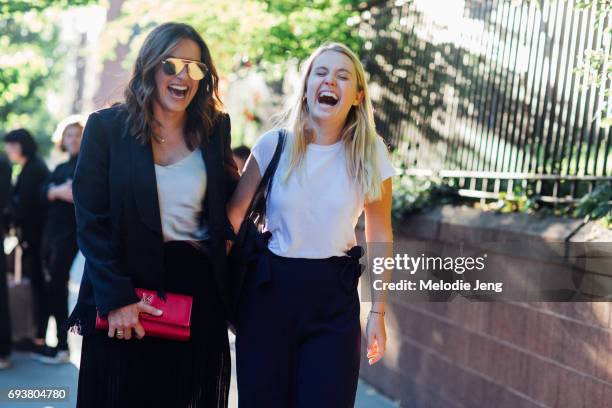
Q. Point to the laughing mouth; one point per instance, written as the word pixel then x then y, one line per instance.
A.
pixel 327 98
pixel 178 91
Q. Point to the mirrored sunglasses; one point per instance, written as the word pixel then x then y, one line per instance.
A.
pixel 195 69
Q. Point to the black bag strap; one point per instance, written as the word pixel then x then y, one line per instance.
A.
pixel 257 210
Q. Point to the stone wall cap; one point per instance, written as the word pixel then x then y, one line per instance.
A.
pixel 510 226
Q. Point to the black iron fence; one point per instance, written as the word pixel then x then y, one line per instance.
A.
pixel 484 93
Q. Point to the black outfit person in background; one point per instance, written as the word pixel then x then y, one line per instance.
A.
pixel 5 322
pixel 59 238
pixel 28 212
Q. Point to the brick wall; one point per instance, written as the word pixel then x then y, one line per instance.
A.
pixel 469 354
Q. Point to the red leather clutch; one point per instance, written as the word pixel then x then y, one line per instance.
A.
pixel 175 321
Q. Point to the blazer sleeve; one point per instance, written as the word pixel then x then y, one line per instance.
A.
pixel 30 182
pixel 91 192
pixel 230 167
pixel 231 176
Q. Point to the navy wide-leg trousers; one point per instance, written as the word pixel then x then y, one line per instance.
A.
pixel 298 334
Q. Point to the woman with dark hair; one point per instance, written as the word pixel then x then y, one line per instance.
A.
pixel 150 190
pixel 28 214
pixel 59 236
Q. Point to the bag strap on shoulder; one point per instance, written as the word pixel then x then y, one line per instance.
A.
pixel 258 205
pixel 266 180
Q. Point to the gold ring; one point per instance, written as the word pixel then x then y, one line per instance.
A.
pixel 119 334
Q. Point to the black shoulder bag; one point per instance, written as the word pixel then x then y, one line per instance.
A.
pixel 257 211
pixel 250 240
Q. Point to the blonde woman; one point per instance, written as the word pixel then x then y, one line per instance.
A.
pixel 298 329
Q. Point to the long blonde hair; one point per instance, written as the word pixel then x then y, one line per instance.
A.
pixel 358 135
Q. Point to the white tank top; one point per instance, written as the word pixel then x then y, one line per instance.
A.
pixel 180 190
pixel 314 213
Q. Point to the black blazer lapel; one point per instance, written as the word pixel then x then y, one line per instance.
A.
pixel 144 184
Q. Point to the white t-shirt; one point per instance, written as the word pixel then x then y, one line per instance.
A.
pixel 180 190
pixel 314 213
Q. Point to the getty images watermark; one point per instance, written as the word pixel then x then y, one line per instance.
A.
pixel 489 271
pixel 411 264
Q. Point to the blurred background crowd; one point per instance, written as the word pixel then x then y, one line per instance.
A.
pixel 38 216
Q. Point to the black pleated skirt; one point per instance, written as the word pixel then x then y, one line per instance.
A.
pixel 155 372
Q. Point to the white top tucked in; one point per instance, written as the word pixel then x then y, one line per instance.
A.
pixel 180 190
pixel 314 213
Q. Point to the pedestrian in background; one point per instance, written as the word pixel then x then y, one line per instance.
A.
pixel 5 321
pixel 241 154
pixel 27 211
pixel 59 237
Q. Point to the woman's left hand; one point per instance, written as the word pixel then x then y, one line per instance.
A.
pixel 377 337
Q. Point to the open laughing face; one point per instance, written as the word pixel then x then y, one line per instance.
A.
pixel 331 87
pixel 174 78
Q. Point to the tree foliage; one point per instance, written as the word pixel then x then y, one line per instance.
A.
pixel 8 7
pixel 32 58
pixel 299 29
pixel 266 32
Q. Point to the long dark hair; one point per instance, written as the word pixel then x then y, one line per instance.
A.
pixel 205 108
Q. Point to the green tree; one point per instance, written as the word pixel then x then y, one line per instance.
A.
pixel 8 7
pixel 266 32
pixel 32 57
pixel 301 26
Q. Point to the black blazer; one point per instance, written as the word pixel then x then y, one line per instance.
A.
pixel 5 193
pixel 27 207
pixel 118 218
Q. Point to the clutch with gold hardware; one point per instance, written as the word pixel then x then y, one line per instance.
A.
pixel 175 321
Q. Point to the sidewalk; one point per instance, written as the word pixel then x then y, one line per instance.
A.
pixel 27 373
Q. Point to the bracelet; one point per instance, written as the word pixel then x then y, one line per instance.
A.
pixel 378 313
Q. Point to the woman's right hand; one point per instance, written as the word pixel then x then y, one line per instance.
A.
pixel 125 319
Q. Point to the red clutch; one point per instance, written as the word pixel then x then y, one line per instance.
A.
pixel 175 321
